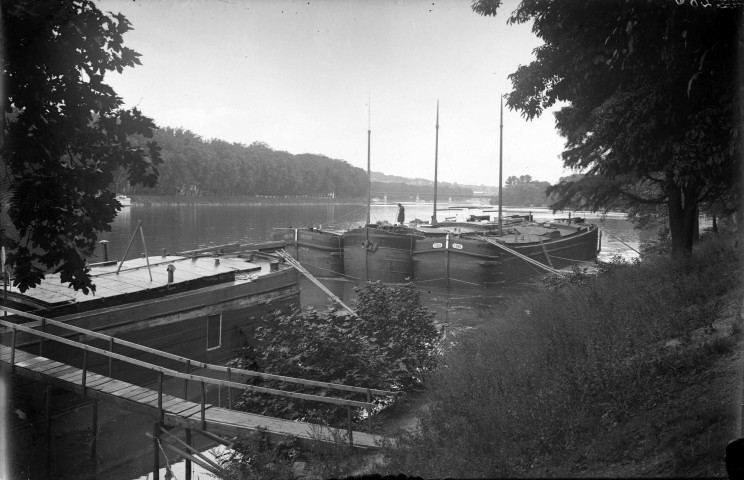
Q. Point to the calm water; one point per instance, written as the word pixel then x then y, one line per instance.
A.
pixel 187 227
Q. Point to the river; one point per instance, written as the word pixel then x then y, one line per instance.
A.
pixel 185 227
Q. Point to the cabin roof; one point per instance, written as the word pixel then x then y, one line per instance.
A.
pixel 134 276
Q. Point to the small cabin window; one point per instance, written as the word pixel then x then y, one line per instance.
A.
pixel 214 331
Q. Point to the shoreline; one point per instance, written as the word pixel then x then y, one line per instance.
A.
pixel 152 200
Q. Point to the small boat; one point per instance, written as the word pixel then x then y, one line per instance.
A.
pixel 124 200
pixel 320 251
pixel 201 304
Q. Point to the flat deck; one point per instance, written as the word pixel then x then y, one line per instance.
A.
pixel 134 276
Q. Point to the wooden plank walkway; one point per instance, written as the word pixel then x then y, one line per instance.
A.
pixel 176 411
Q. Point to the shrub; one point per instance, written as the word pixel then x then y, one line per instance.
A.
pixel 543 383
pixel 389 344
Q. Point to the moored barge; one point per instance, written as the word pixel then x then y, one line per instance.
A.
pixel 199 304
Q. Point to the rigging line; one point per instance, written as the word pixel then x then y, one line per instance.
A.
pixel 619 240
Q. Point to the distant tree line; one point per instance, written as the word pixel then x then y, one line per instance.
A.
pixel 524 192
pixel 196 167
pixel 424 191
pixel 193 166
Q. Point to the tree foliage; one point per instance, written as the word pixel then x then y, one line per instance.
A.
pixel 196 167
pixel 64 135
pixel 388 345
pixel 653 100
pixel 524 192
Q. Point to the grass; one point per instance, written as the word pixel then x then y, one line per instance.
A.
pixel 582 377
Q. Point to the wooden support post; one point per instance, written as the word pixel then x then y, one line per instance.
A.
pixel 144 246
pixel 110 359
pixel 203 406
pixel 41 340
pixel 186 381
pixel 48 429
pixel 94 427
pixel 188 460
pixel 229 389
pixel 134 234
pixel 155 451
pixel 85 369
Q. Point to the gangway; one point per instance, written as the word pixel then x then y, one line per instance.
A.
pixel 172 410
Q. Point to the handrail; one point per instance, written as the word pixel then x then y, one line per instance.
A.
pixel 197 364
pixel 186 376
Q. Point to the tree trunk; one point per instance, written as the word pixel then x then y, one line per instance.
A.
pixel 682 205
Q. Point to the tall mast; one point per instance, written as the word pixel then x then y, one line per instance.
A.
pixel 369 150
pixel 436 162
pixel 369 187
pixel 501 155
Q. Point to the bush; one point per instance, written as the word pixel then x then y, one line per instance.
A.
pixel 540 386
pixel 389 345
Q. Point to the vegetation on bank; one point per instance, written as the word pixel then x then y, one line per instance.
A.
pixel 389 344
pixel 613 374
pixel 586 374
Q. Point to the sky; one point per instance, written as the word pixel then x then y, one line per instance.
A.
pixel 314 76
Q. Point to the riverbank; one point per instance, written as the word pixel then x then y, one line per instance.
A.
pixel 635 372
pixel 155 200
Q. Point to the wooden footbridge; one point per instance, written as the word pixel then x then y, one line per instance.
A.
pixel 169 409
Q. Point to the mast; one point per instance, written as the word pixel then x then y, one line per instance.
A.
pixel 436 158
pixel 369 187
pixel 369 147
pixel 501 155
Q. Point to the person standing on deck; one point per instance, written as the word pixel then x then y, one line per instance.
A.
pixel 401 214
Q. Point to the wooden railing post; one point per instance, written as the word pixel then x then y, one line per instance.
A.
pixel 203 406
pixel 110 359
pixel 12 349
pixel 369 412
pixel 229 389
pixel 160 396
pixel 41 342
pixel 351 439
pixel 85 368
pixel 186 381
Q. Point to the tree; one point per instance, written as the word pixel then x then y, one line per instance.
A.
pixel 653 100
pixel 64 136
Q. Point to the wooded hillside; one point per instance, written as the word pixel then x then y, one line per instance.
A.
pixel 193 166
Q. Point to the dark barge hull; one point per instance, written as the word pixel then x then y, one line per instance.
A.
pixel 375 253
pixel 468 262
pixel 319 251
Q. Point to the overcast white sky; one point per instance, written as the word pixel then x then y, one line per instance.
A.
pixel 298 74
